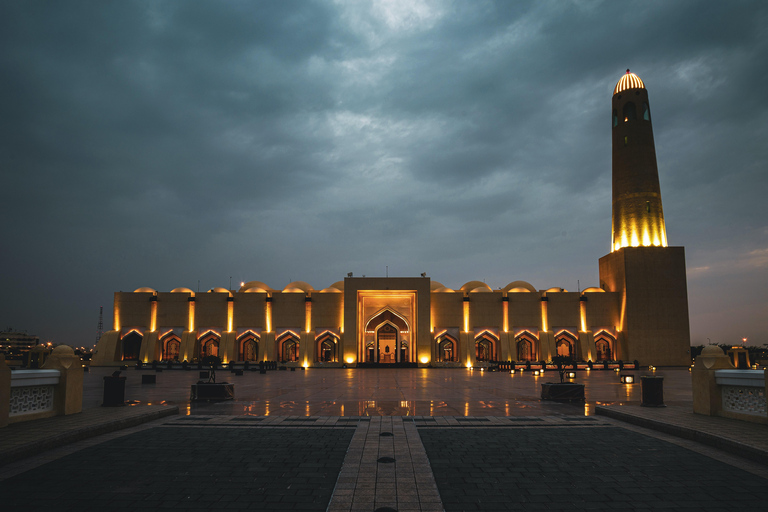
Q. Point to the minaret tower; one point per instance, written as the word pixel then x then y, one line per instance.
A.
pixel 638 218
pixel 651 322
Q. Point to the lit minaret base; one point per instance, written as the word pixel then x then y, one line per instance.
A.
pixel 652 320
pixel 638 217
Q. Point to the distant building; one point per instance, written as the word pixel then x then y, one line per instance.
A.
pixel 17 341
pixel 639 311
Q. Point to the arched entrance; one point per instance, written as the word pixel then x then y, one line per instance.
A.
pixel 386 343
pixel 390 344
pixel 604 346
pixel 132 346
pixel 326 347
pixel 171 345
pixel 209 345
pixel 249 347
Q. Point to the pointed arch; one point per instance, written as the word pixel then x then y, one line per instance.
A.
pixel 527 345
pixel 209 344
pixel 384 315
pixel 565 344
pixel 170 346
pixel 486 345
pixel 131 345
pixel 248 344
pixel 327 347
pixel 605 346
pixel 446 348
pixel 288 344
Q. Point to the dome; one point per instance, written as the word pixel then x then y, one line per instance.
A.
pixel 301 285
pixel 144 289
pixel 556 290
pixel 219 289
pixel 330 289
pixel 254 289
pixel 515 286
pixel 629 81
pixel 182 290
pixel 473 285
pixel 254 284
pixel 443 290
pixel 435 285
pixel 593 289
pixel 339 285
pixel 712 350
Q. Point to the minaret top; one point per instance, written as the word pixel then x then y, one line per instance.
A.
pixel 629 81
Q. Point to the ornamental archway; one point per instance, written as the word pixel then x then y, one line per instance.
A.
pixel 390 338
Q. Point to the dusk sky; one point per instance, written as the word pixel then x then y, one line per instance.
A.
pixel 167 144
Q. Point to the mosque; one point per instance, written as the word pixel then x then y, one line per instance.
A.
pixel 639 311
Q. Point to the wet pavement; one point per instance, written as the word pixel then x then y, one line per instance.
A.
pixel 388 392
pixel 383 440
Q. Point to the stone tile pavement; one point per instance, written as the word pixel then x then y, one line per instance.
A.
pixel 24 439
pixel 749 440
pixel 346 464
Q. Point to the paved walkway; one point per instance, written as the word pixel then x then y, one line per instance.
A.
pixel 512 452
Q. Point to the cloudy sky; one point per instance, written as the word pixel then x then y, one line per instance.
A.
pixel 167 144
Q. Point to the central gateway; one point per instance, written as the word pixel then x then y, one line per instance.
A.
pixel 391 319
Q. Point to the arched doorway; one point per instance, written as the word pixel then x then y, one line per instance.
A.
pixel 171 347
pixel 447 349
pixel 485 347
pixel 288 347
pixel 390 343
pixel 386 343
pixel 565 345
pixel 605 346
pixel 209 345
pixel 326 348
pixel 132 346
pixel 526 347
pixel 249 348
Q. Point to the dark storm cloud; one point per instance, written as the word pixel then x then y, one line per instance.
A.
pixel 162 143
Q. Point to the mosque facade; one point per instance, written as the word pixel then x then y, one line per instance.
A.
pixel 639 311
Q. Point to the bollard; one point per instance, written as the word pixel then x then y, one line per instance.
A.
pixel 652 391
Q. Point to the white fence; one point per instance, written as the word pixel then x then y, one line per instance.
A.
pixel 32 391
pixel 743 391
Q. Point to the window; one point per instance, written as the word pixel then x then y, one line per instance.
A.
pixel 630 112
pixel 646 112
pixel 615 118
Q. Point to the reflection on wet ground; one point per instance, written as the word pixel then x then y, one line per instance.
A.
pixel 388 392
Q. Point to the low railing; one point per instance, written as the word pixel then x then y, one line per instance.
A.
pixel 54 390
pixel 721 390
pixel 743 391
pixel 32 392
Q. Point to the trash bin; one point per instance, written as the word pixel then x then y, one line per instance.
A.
pixel 114 391
pixel 652 391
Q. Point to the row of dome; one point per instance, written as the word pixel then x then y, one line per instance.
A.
pixel 338 287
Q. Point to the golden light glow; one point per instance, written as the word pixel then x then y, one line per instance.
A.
pixel 306 364
pixel 506 315
pixel 230 315
pixel 544 316
pixel 191 319
pixel 628 81
pixel 268 315
pixel 639 229
pixel 469 364
pixel 583 315
pixel 153 316
pixel 116 319
pixel 466 316
pixel 350 360
pixel 424 359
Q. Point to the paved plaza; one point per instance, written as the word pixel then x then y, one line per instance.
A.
pixel 389 439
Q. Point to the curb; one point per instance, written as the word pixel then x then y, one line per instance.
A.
pixel 722 443
pixel 67 437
